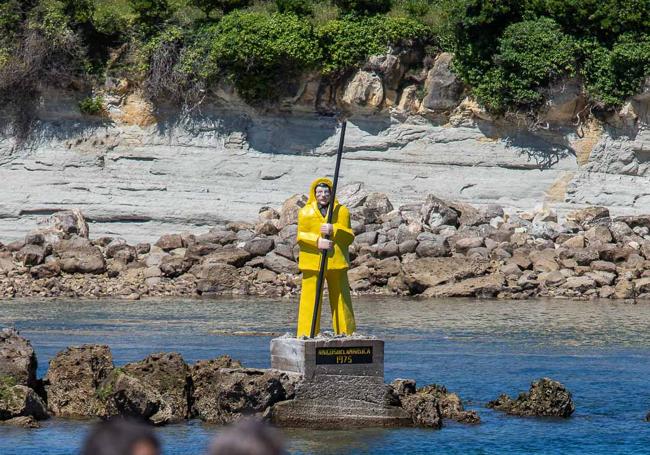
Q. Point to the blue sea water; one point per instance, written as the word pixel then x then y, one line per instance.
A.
pixel 477 348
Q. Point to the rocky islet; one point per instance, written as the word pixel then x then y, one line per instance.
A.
pixel 82 382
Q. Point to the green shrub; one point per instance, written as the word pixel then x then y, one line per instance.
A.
pixel 363 7
pixel 92 105
pixel 151 14
pixel 298 7
pixel 224 6
pixel 530 55
pixel 348 43
pixel 258 51
pixel 612 76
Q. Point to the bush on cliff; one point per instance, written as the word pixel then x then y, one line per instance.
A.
pixel 347 43
pixel 530 54
pixel 258 52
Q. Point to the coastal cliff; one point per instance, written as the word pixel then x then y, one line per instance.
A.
pixel 139 171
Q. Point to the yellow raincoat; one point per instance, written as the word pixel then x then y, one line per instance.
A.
pixel 310 221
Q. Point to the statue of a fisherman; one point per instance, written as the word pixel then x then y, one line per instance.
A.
pixel 312 227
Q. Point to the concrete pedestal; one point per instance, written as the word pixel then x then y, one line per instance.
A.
pixel 341 383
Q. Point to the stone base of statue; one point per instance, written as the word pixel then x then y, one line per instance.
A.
pixel 341 383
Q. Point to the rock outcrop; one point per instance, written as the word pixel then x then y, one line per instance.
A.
pixel 224 395
pixel 17 359
pixel 432 248
pixel 546 397
pixel 74 379
pixel 429 405
pixel 169 376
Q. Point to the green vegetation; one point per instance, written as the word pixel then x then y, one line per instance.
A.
pixel 6 384
pixel 92 105
pixel 507 51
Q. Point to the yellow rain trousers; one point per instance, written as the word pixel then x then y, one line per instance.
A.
pixel 309 222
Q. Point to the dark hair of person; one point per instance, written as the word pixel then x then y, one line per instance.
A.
pixel 323 185
pixel 118 437
pixel 248 437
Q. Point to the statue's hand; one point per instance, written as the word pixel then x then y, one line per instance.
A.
pixel 324 244
pixel 326 229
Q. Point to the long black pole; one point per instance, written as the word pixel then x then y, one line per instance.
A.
pixel 330 213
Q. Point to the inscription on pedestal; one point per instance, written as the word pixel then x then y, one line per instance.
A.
pixel 343 356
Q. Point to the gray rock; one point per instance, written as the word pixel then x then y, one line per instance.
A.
pixel 170 242
pixel 443 88
pixel 19 400
pixel 435 212
pixel 169 376
pixel 17 358
pixel 546 397
pixel 279 264
pixel 83 260
pixel 173 266
pixel 31 254
pixel 259 246
pixel 73 379
pixel 366 238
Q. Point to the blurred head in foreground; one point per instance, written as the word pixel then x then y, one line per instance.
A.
pixel 121 437
pixel 248 437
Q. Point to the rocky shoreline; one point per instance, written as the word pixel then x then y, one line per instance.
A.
pixel 436 248
pixel 83 382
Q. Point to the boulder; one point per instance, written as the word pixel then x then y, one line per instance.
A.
pixel 290 209
pixel 19 400
pixel 223 392
pixel 436 247
pixel 216 278
pixel 64 224
pixel 173 266
pixel 73 379
pixel 47 270
pixel 482 286
pixel 435 212
pixel 423 411
pixel 82 260
pixel 124 395
pixel 598 234
pixel 449 404
pixel 364 93
pixel 169 242
pixel 375 205
pixel 390 68
pixel 120 250
pixel 589 216
pixel 17 358
pixel 232 256
pixel 546 397
pixel 169 375
pixel 259 246
pixel 279 264
pixel 31 254
pixel 443 88
pixel 423 273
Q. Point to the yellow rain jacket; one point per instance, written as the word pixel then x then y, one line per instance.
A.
pixel 309 223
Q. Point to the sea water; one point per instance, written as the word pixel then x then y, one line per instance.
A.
pixel 600 350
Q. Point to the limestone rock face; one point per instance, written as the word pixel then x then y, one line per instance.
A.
pixel 364 93
pixel 389 66
pixel 546 397
pixel 17 358
pixel 74 377
pixel 564 102
pixel 169 375
pixel 443 88
pixel 20 400
pixel 222 395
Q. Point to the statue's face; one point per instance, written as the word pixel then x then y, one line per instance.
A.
pixel 322 194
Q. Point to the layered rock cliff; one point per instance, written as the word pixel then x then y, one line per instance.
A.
pixel 138 172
